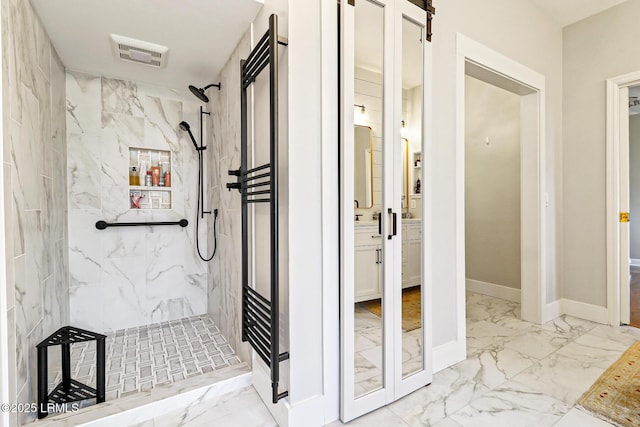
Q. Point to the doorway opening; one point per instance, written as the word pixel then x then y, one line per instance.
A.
pixel 481 68
pixel 634 206
pixel 623 199
pixel 492 193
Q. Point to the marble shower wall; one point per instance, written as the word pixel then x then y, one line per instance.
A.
pixel 224 132
pixel 223 138
pixel 34 163
pixel 130 276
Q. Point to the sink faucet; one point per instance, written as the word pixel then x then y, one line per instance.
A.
pixel 357 204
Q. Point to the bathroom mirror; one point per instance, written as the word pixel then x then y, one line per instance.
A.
pixel 363 167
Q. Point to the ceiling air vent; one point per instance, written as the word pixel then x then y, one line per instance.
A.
pixel 139 51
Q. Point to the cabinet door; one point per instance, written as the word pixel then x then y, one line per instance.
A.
pixel 413 264
pixel 367 269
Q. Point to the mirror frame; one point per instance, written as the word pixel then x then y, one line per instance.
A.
pixel 370 162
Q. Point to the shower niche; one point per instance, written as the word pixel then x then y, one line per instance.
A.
pixel 149 179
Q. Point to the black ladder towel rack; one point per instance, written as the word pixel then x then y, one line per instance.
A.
pixel 260 315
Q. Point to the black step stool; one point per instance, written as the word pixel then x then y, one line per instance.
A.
pixel 69 390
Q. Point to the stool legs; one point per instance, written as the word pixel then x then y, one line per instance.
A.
pixel 100 370
pixel 66 367
pixel 43 386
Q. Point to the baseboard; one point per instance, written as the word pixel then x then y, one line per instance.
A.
pixel 551 311
pixel 493 290
pixel 448 354
pixel 308 413
pixel 634 262
pixel 594 313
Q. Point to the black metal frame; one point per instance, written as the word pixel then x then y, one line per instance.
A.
pixel 426 5
pixel 101 225
pixel 260 316
pixel 69 390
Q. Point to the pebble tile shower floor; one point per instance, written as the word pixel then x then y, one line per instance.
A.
pixel 141 358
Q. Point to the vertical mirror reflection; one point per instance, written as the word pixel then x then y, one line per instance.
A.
pixel 368 254
pixel 411 157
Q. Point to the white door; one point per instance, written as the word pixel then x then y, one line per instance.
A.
pixel 385 338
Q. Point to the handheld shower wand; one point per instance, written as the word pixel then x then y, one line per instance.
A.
pixel 185 127
pixel 200 204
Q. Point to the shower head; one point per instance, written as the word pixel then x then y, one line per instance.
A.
pixel 199 92
pixel 185 127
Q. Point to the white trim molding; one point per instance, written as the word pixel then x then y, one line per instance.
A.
pixel 594 313
pixel 634 262
pixel 613 197
pixel 491 289
pixel 552 310
pixel 520 79
pixel 449 354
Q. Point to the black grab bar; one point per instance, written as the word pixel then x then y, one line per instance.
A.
pixel 101 225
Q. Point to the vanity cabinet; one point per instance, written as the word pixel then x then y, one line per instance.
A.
pixel 411 253
pixel 368 263
pixel 368 259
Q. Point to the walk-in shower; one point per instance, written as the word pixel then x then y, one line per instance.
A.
pixel 200 211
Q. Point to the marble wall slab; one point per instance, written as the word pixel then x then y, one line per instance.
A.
pixel 127 277
pixel 223 138
pixel 35 192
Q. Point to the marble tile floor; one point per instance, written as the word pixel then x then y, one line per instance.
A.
pixel 368 351
pixel 140 358
pixel 239 408
pixel 516 374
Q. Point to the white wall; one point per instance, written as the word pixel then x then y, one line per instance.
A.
pixel 492 184
pixel 595 49
pixel 634 185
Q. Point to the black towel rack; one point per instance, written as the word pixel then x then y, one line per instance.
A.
pixel 260 315
pixel 101 225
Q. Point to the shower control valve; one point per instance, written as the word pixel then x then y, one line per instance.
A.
pixel 235 185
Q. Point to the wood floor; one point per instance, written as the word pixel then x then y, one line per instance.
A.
pixel 635 297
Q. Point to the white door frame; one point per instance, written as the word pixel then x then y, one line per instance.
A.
pixel 533 215
pixel 617 152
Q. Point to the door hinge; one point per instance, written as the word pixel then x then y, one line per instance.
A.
pixel 624 216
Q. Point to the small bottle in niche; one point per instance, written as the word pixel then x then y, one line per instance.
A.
pixel 167 179
pixel 155 176
pixel 418 186
pixel 147 179
pixel 134 178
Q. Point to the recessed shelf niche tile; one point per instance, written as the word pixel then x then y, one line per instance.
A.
pixel 149 191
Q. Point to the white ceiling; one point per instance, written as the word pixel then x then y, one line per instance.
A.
pixel 566 12
pixel 200 35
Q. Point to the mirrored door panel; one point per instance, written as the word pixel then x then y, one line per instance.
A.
pixel 368 99
pixel 411 131
pixel 384 337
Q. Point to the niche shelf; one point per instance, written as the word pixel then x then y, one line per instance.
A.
pixel 141 195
